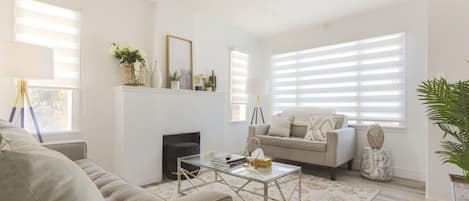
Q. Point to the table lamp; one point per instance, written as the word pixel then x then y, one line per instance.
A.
pixel 257 87
pixel 25 61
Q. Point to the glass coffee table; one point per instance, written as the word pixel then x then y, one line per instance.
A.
pixel 266 176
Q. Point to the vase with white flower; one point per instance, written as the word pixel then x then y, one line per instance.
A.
pixel 133 64
pixel 175 79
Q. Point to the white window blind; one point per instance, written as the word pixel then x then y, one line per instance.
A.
pixel 54 27
pixel 239 74
pixel 55 101
pixel 362 79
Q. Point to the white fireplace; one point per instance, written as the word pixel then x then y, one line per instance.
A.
pixel 144 115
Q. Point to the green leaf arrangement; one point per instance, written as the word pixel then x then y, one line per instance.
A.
pixel 175 76
pixel 127 55
pixel 448 107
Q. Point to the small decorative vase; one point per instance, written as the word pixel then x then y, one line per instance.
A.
pixel 175 85
pixel 132 75
pixel 375 135
pixel 157 79
pixel 459 187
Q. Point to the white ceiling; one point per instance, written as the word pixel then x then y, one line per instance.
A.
pixel 261 17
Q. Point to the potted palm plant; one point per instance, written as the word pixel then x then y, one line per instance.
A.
pixel 448 107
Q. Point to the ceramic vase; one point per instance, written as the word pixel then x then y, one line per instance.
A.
pixel 157 79
pixel 175 85
pixel 132 75
pixel 459 188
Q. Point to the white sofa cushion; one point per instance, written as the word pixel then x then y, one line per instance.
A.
pixel 280 126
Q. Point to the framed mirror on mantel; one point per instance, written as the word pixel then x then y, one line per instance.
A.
pixel 179 57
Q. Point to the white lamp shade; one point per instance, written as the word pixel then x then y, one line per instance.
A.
pixel 257 86
pixel 22 60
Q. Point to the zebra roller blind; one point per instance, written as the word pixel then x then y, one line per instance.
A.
pixel 363 79
pixel 54 27
pixel 238 81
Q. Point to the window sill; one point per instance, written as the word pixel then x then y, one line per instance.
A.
pixel 386 128
pixel 51 133
pixel 239 122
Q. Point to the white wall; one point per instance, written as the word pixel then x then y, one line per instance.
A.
pixel 407 145
pixel 212 43
pixel 103 22
pixel 448 50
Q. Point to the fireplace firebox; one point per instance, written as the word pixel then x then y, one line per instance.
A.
pixel 179 145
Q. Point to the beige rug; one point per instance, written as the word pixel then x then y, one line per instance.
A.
pixel 314 188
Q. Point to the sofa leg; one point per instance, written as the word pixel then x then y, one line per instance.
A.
pixel 350 165
pixel 333 173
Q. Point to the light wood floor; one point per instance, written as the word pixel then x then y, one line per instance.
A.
pixel 398 189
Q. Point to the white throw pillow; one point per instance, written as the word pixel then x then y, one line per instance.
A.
pixel 280 126
pixel 318 126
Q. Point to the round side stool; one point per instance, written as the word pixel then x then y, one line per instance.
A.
pixel 376 164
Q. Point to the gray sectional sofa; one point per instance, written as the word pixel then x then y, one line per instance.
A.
pixel 33 171
pixel 338 149
pixel 114 188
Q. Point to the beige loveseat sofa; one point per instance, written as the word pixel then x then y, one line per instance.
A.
pixel 338 149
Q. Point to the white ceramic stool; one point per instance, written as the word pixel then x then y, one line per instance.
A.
pixel 376 164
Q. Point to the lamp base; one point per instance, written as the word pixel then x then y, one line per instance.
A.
pixel 255 114
pixel 22 98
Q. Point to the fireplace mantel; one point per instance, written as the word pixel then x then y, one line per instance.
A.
pixel 143 115
pixel 129 89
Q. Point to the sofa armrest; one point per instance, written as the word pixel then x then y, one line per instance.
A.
pixel 75 150
pixel 340 146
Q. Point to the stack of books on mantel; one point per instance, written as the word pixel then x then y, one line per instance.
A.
pixel 228 160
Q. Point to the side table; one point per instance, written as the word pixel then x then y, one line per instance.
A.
pixel 376 164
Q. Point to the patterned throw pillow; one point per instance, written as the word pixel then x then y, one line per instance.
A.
pixel 318 126
pixel 280 126
pixel 3 144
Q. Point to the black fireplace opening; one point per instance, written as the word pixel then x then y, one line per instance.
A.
pixel 179 145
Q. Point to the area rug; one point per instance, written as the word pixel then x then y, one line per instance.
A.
pixel 314 188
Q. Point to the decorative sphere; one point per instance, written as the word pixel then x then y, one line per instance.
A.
pixel 375 135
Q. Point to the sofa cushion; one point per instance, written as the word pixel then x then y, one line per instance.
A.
pixel 281 126
pixel 293 143
pixel 298 131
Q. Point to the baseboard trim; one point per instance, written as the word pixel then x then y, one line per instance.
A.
pixel 399 172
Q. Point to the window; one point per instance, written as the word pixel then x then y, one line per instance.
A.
pixel 362 79
pixel 55 101
pixel 238 79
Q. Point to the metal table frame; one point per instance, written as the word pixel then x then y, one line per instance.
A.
pixel 237 189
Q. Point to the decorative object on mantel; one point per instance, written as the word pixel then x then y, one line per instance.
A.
pixel 375 135
pixel 257 87
pixel 21 60
pixel 376 164
pixel 448 107
pixel 175 80
pixel 179 58
pixel 156 78
pixel 212 80
pixel 133 64
pixel 199 82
